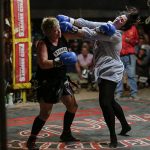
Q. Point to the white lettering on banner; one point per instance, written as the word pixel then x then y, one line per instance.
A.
pixel 20 18
pixel 21 62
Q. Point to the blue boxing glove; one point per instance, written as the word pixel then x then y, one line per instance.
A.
pixel 112 29
pixel 68 27
pixel 68 58
pixel 108 29
pixel 62 18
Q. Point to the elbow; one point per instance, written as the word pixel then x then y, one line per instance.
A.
pixel 45 65
pixel 42 66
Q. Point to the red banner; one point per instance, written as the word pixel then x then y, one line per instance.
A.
pixel 22 62
pixel 21 31
pixel 20 18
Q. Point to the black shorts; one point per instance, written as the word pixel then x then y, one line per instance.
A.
pixel 51 92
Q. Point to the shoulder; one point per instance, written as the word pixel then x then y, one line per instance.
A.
pixel 134 27
pixel 80 56
pixel 41 43
pixel 117 37
pixel 41 46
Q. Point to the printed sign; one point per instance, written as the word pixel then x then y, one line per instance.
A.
pixel 20 18
pixel 22 62
pixel 21 39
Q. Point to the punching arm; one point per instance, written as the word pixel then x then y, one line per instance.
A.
pixel 80 22
pixel 92 34
pixel 66 58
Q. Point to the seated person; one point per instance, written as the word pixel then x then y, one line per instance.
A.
pixel 84 60
pixel 84 66
pixel 142 64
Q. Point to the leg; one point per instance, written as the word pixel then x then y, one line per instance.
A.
pixel 121 117
pixel 45 110
pixel 119 89
pixel 71 105
pixel 132 75
pixel 106 96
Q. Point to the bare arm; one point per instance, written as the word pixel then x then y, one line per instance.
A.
pixel 42 56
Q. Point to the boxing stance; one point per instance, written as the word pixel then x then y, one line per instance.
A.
pixel 53 84
pixel 108 68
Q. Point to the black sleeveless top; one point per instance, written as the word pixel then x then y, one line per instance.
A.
pixel 53 52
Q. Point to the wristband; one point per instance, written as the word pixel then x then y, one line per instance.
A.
pixel 57 62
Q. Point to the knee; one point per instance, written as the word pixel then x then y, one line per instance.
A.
pixel 72 108
pixel 104 105
pixel 76 106
pixel 44 115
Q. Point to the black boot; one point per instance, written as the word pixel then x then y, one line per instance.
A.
pixel 68 137
pixel 31 143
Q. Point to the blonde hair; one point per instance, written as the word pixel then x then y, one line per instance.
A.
pixel 48 23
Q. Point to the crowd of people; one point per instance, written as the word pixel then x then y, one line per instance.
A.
pixel 137 74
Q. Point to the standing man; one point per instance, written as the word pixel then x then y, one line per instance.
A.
pixel 108 66
pixel 128 57
pixel 130 39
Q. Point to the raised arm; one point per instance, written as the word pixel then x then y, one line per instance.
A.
pixel 94 34
pixel 103 33
pixel 80 22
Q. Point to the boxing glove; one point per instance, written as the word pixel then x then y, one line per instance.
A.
pixel 68 58
pixel 68 27
pixel 62 18
pixel 108 29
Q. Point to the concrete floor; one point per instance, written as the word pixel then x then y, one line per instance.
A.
pixel 88 126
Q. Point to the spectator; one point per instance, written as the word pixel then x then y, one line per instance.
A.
pixel 142 64
pixel 71 69
pixel 74 46
pixel 84 66
pixel 84 59
pixel 144 34
pixel 130 39
pixel 141 42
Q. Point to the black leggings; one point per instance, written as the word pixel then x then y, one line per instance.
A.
pixel 109 106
